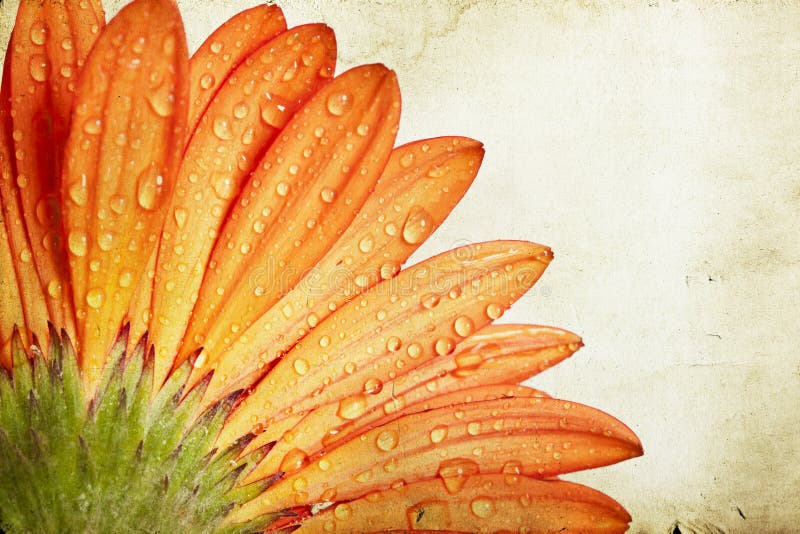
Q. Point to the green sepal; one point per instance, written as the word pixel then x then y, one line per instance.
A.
pixel 134 457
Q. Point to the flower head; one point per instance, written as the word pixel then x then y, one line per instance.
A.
pixel 204 314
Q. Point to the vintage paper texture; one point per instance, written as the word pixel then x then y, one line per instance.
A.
pixel 655 147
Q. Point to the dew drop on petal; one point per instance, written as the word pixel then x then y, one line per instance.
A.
pixel 463 326
pixel 78 193
pixel 38 67
pixel 38 32
pixel 430 301
pixel 180 217
pixel 387 440
pixel 352 407
pixel 393 344
pixel 54 288
pixel 222 128
pixel 328 195
pixel 207 81
pixel 301 366
pixel 149 187
pixel 77 241
pixel 444 346
pixel 438 434
pixel 373 386
pixel 494 311
pixel 455 472
pixel 94 298
pixel 482 507
pixel 339 103
pixel 418 226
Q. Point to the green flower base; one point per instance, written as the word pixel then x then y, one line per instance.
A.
pixel 126 460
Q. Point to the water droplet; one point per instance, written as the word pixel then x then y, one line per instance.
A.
pixel 482 507
pixel 414 350
pixel 444 346
pixel 149 188
pixel 437 171
pixel 224 186
pixel 275 111
pixel 282 189
pixel 207 81
pixel 390 229
pixel 93 126
pixel 118 204
pixel 463 326
pixel 78 193
pixel 430 301
pixel 389 270
pixel 94 298
pixel 393 344
pixel 180 217
pixel 473 428
pixel 339 103
pixel 418 226
pixel 25 255
pixel 161 101
pixel 373 386
pixel 363 129
pixel 438 434
pixel 352 407
pixel 407 159
pixel 105 240
pixel 324 341
pixel 387 440
pixel 328 195
pixel 342 511
pixel 512 470
pixel 494 311
pixel 366 244
pixel 222 128
pixel 294 460
pixel 78 242
pixel 38 32
pixel 240 110
pixel 301 366
pixel 38 67
pixel 54 288
pixel 125 279
pixel 290 72
pixel 455 472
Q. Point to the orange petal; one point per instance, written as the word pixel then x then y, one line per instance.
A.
pixel 11 314
pixel 483 503
pixel 31 294
pixel 49 44
pixel 429 176
pixel 224 49
pixel 340 143
pixel 535 437
pixel 243 119
pixel 120 161
pixel 139 310
pixel 393 328
pixel 481 366
pixel 325 428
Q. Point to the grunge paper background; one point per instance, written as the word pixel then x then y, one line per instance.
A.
pixel 656 148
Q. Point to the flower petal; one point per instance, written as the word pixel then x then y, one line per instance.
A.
pixel 241 122
pixel 48 45
pixel 324 428
pixel 482 365
pixel 31 302
pixel 482 503
pixel 427 176
pixel 537 437
pixel 339 145
pixel 120 160
pixel 224 49
pixel 393 328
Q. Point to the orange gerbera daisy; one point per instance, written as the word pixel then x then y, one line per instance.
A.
pixel 202 312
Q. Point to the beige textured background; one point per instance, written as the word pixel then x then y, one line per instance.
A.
pixel 655 148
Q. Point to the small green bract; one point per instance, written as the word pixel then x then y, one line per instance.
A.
pixel 69 464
